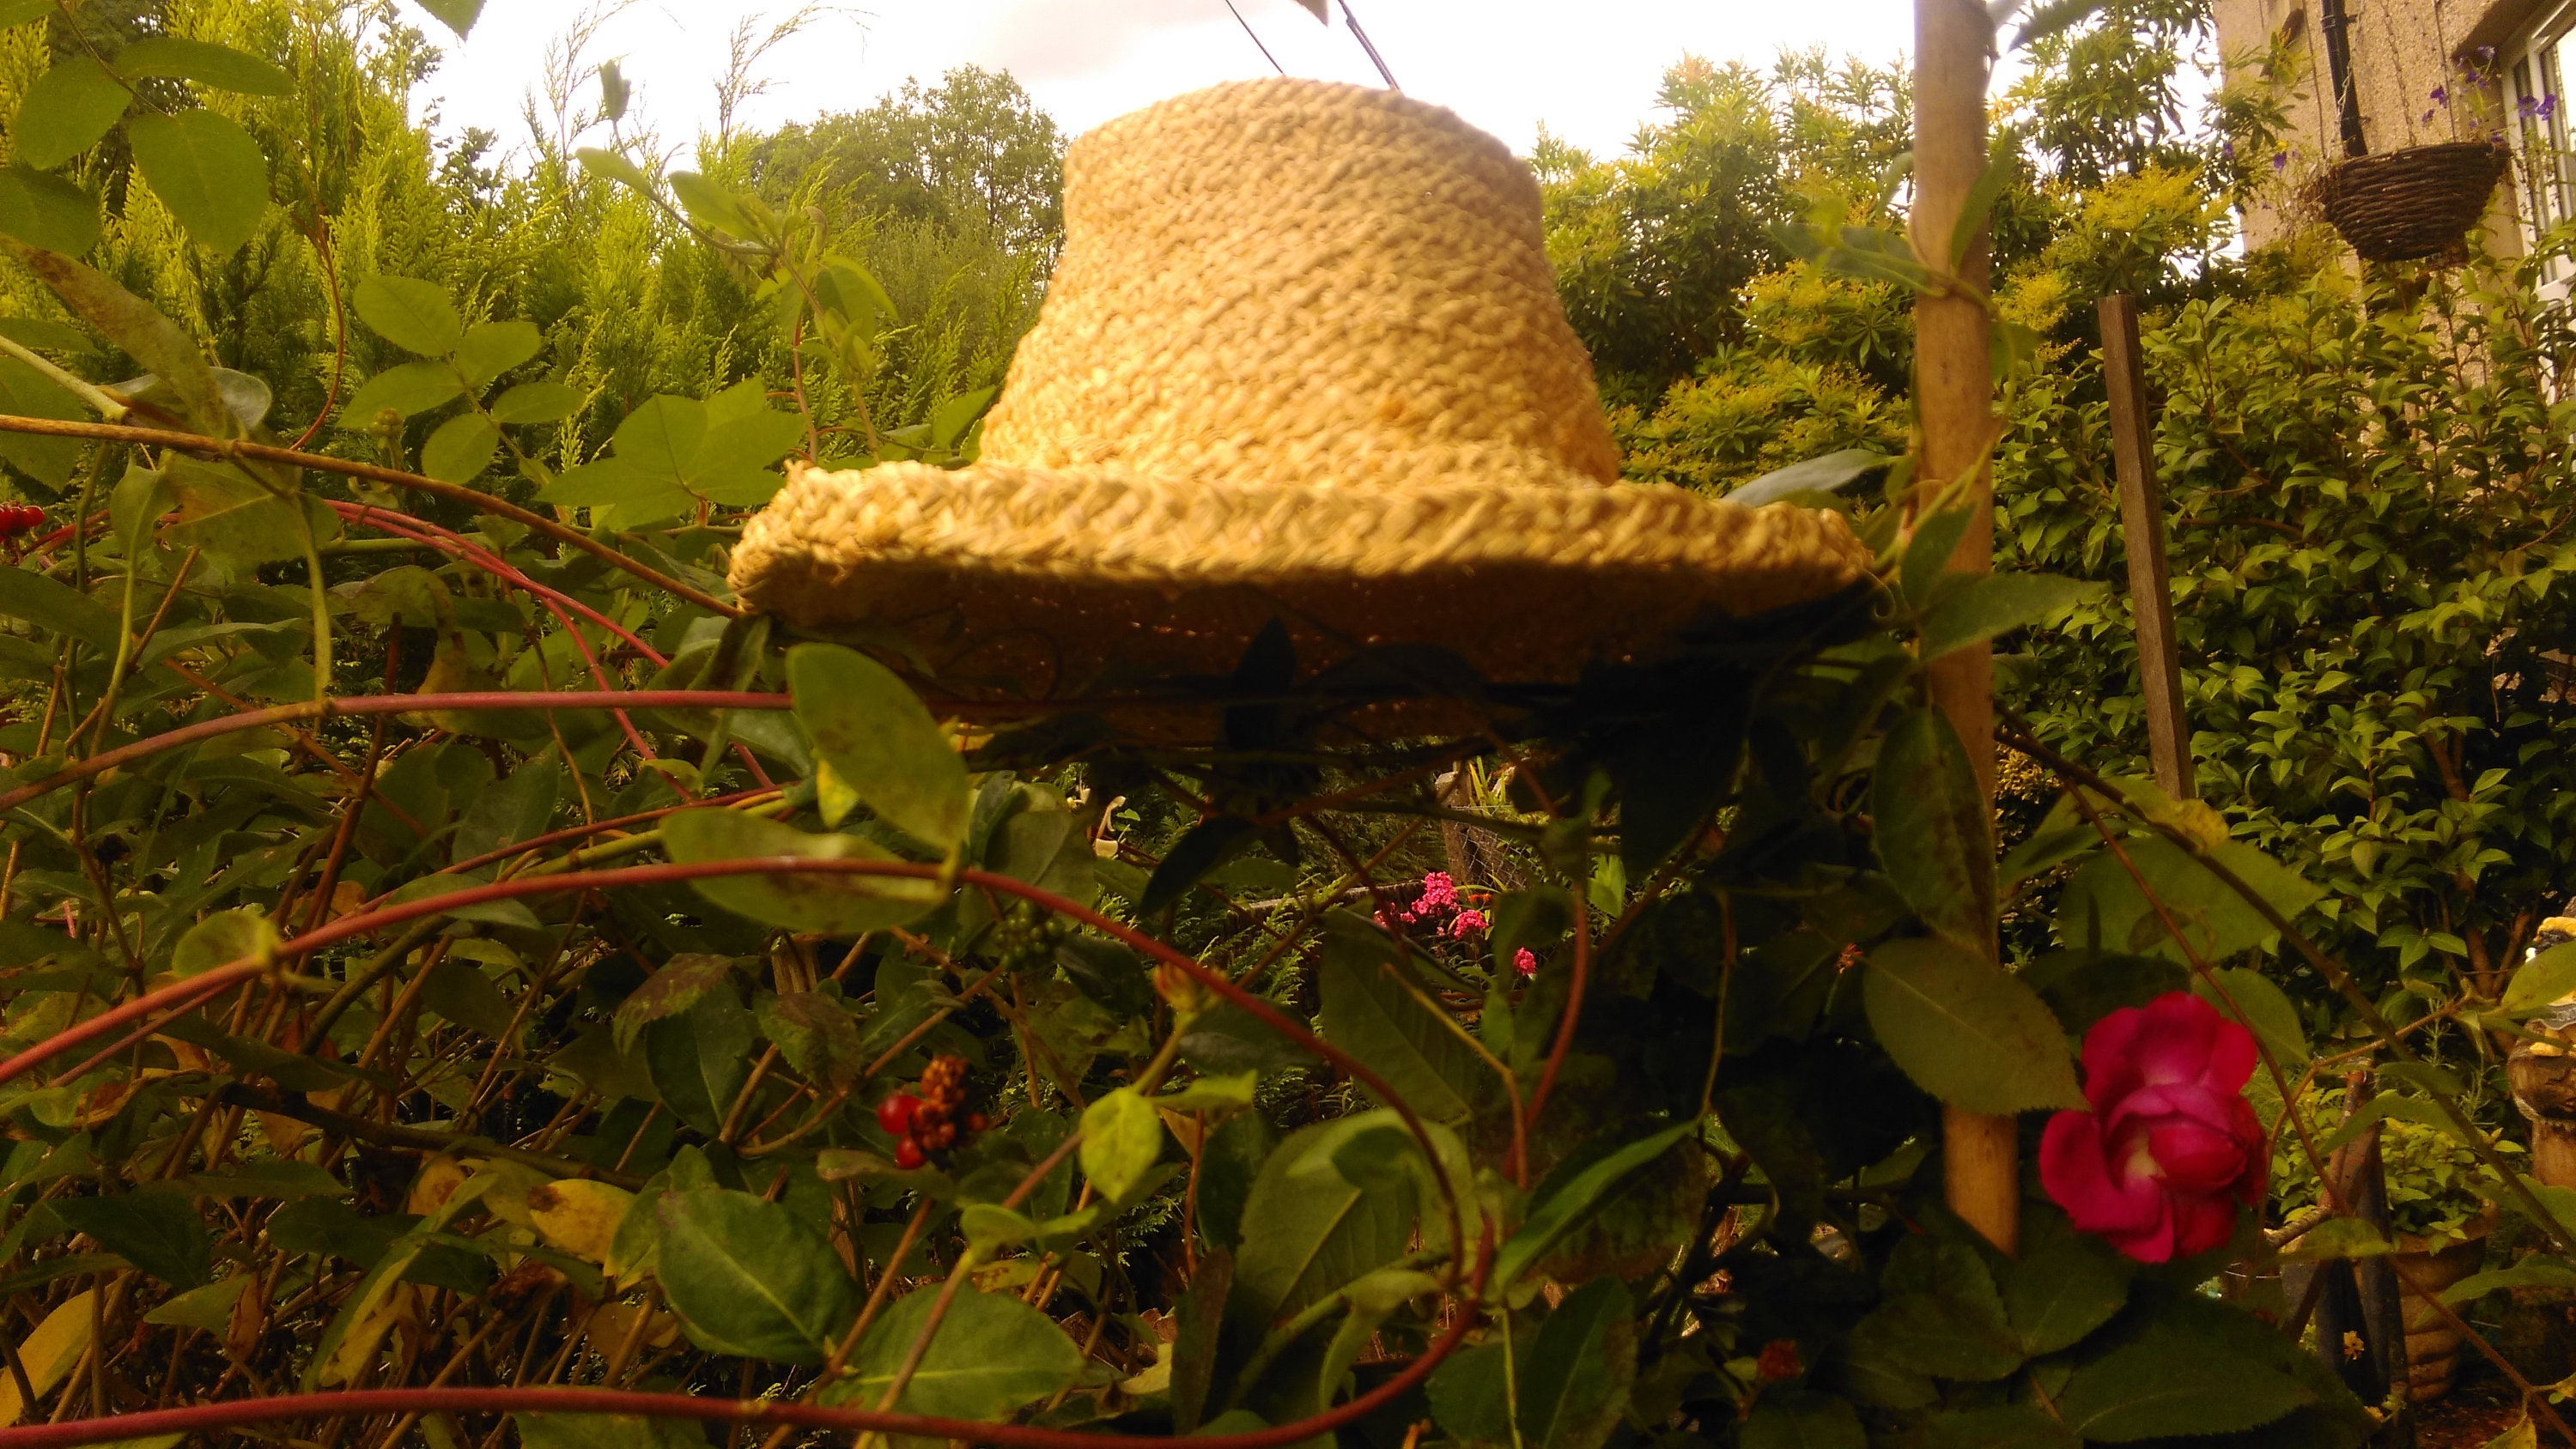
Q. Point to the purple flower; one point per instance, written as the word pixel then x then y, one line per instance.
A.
pixel 2442 95
pixel 2548 107
pixel 2428 115
pixel 2280 160
pixel 2485 53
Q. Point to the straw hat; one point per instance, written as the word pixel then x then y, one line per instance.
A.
pixel 1303 359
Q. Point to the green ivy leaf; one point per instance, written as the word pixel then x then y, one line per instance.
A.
pixel 752 1278
pixel 834 904
pixel 536 402
pixel 991 1355
pixel 461 448
pixel 493 348
pixel 217 67
pixel 1122 1140
pixel 1966 1030
pixel 207 170
pixel 411 314
pixel 408 389
pixel 1932 828
pixel 881 741
pixel 157 1232
pixel 67 110
pixel 44 210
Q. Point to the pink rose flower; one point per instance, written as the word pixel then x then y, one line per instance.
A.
pixel 1525 963
pixel 2169 1149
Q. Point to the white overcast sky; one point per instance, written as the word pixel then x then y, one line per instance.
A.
pixel 1586 69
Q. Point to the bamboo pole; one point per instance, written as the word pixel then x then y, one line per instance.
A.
pixel 2142 527
pixel 1954 409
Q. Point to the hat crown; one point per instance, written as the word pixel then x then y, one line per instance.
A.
pixel 1290 281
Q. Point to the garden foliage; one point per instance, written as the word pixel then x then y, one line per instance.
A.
pixel 449 949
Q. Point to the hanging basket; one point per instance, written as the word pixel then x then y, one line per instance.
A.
pixel 2414 204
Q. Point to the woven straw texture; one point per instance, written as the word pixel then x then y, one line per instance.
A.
pixel 2413 204
pixel 1303 358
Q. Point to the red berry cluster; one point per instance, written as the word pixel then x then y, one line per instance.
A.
pixel 932 1120
pixel 17 518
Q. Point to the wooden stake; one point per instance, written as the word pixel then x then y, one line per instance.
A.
pixel 2142 527
pixel 1954 408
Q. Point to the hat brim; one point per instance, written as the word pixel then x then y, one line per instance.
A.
pixel 1054 578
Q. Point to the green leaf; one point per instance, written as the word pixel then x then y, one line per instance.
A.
pixel 233 516
pixel 681 983
pixel 992 1354
pixel 2541 982
pixel 217 67
pixel 240 934
pixel 1941 1316
pixel 1304 1235
pixel 2064 1285
pixel 1564 1200
pixel 24 390
pixel 1802 1420
pixel 2178 1378
pixel 814 1033
pixel 503 912
pixel 461 448
pixel 209 1308
pixel 411 314
pixel 833 903
pixel 536 402
pixel 1575 1385
pixel 606 1431
pixel 407 389
pixel 2218 922
pixel 1928 550
pixel 752 1278
pixel 1122 1140
pixel 493 348
pixel 881 741
pixel 2006 1426
pixel 1829 474
pixel 1932 828
pixel 1367 1011
pixel 456 15
pixel 14 13
pixel 56 608
pixel 157 1232
pixel 950 420
pixel 710 205
pixel 2530 1273
pixel 1965 1030
pixel 2261 1006
pixel 207 170
pixel 516 807
pixel 44 210
pixel 134 508
pixel 699 1059
pixel 609 166
pixel 1992 604
pixel 67 110
pixel 132 324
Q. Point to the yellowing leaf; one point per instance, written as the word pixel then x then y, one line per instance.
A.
pixel 49 1353
pixel 579 1216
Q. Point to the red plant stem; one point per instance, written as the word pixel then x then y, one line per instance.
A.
pixel 198 1418
pixel 358 923
pixel 576 832
pixel 480 501
pixel 447 541
pixel 361 704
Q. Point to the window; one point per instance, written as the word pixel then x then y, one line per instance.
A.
pixel 2534 91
